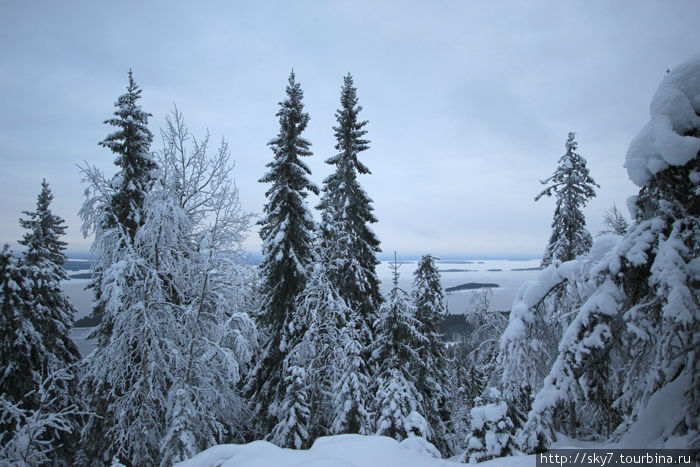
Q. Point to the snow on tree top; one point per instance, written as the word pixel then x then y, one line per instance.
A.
pixel 674 111
pixel 488 413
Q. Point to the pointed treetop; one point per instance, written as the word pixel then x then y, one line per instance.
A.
pixel 44 229
pixel 132 87
pixel 571 170
pixel 131 143
pixel 573 186
pixel 348 97
pixel 395 270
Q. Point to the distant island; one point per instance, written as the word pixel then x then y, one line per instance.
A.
pixel 82 275
pixel 471 286
pixel 77 264
pixel 527 269
pixel 458 270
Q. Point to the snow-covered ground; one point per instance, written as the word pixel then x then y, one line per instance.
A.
pixel 331 451
pixel 381 451
pixel 350 451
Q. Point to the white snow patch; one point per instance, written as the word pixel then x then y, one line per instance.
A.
pixel 674 110
pixel 330 451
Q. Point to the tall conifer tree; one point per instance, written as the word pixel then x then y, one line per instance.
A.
pixel 121 202
pixel 114 211
pixel 348 243
pixel 572 186
pixel 287 234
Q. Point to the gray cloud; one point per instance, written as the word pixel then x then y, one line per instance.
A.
pixel 469 103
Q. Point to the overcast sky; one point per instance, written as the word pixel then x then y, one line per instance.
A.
pixel 469 103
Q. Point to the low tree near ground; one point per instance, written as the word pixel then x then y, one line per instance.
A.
pixel 491 433
pixel 351 388
pixel 397 403
pixel 431 371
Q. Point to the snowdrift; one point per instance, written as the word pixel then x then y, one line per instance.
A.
pixel 329 451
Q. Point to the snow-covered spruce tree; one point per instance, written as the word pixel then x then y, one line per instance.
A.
pixel 44 260
pixel 474 364
pixel 323 312
pixel 431 373
pixel 466 384
pixel 52 313
pixel 640 317
pixel 491 430
pixel 572 186
pixel 113 211
pixel 348 243
pixel 287 234
pixel 164 383
pixel 292 428
pixel 485 328
pixel 130 142
pixel 351 387
pixel 397 403
pixel 312 336
pixel 127 377
pixel 658 258
pixel 22 351
pixel 528 345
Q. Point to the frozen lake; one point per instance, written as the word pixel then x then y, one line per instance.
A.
pixel 79 297
pixel 508 274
